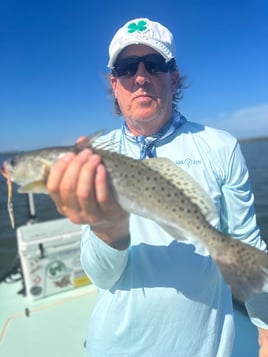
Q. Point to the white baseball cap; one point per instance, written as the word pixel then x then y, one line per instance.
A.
pixel 145 32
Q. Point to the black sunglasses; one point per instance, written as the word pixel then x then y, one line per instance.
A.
pixel 154 63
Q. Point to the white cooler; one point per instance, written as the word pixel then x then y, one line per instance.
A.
pixel 50 257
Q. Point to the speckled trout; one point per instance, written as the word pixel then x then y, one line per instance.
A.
pixel 159 190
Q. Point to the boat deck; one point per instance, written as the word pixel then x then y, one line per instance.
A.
pixel 54 326
pixel 57 325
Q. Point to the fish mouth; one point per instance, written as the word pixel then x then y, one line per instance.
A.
pixel 4 171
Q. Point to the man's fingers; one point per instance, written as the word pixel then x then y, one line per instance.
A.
pixel 79 186
pixel 103 192
pixel 63 181
pixel 56 175
pixel 86 190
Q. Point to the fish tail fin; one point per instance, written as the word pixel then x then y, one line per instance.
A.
pixel 245 270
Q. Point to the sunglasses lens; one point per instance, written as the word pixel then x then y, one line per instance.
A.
pixel 127 67
pixel 153 63
pixel 156 64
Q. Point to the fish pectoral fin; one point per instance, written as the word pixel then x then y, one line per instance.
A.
pixel 47 167
pixel 33 187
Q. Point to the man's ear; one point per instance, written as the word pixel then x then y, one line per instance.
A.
pixel 113 82
pixel 175 81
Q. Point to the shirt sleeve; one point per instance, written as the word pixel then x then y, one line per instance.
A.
pixel 238 219
pixel 103 264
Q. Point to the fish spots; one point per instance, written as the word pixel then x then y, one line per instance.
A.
pixel 159 190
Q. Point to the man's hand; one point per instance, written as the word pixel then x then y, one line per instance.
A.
pixel 263 342
pixel 79 186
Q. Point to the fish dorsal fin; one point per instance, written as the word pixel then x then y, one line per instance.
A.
pixel 96 135
pixel 99 140
pixel 88 141
pixel 184 182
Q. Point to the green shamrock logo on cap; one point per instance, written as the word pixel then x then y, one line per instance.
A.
pixel 140 26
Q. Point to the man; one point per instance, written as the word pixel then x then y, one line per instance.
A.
pixel 157 296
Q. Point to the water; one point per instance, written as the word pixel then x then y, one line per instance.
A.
pixel 257 161
pixel 256 156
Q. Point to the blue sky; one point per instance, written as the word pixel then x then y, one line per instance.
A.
pixel 54 55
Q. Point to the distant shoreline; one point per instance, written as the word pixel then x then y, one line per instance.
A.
pixel 252 140
pixel 241 140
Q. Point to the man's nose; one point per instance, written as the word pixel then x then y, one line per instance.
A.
pixel 142 75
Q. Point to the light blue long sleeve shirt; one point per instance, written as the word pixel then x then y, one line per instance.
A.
pixel 162 297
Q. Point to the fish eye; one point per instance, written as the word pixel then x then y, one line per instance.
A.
pixel 13 161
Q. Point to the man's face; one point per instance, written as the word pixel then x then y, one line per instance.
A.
pixel 145 99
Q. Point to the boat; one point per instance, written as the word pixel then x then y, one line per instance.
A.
pixel 45 312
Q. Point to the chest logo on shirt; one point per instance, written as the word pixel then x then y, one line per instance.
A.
pixel 188 162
